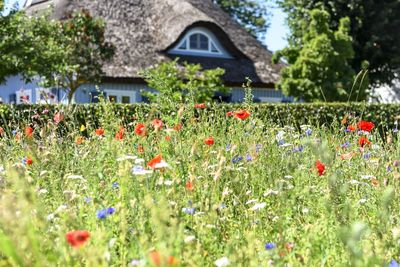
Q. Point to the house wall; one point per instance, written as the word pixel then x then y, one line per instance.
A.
pixel 261 95
pixel 86 92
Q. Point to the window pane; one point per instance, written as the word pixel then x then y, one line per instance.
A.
pixel 183 45
pixel 112 98
pixel 126 100
pixel 193 41
pixel 203 42
pixel 214 49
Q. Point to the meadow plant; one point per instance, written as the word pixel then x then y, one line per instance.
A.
pixel 198 190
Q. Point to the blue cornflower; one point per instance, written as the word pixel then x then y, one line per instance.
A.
pixel 88 199
pixel 101 214
pixel 389 169
pixel 394 263
pixel 346 145
pixel 281 142
pixel 248 157
pixel 14 132
pixel 236 159
pixel 367 155
pixel 110 210
pixel 190 211
pixel 395 130
pixel 228 147
pixel 308 132
pixel 115 185
pixel 270 246
pixel 300 148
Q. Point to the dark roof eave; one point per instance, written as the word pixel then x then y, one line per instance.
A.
pixel 139 80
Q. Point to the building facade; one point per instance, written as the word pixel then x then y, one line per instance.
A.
pixel 152 31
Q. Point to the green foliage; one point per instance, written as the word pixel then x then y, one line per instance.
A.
pixel 317 114
pixel 251 14
pixel 29 46
pixel 319 65
pixel 182 84
pixel 85 52
pixel 256 185
pixel 64 54
pixel 374 29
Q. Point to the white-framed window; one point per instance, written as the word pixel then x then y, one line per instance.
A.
pixel 23 96
pixel 200 41
pixel 121 96
pixel 45 96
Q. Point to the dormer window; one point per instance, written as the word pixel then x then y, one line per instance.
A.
pixel 200 42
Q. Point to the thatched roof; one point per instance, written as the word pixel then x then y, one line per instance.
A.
pixel 143 30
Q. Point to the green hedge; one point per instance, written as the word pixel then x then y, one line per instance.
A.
pixel 383 115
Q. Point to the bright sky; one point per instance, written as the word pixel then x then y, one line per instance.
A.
pixel 276 34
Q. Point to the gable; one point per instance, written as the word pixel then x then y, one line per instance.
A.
pixel 199 41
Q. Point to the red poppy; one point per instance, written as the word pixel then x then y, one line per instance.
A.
pixel 152 163
pixel 209 141
pixel 1 131
pixel 77 238
pixel 157 123
pixel 178 127
pixel 351 128
pixel 29 131
pixel 242 114
pixel 160 260
pixel 58 117
pixel 120 134
pixel 155 258
pixel 168 138
pixel 366 126
pixel 201 105
pixel 99 132
pixel 172 261
pixel 29 161
pixel 80 140
pixel 140 129
pixel 189 185
pixel 363 141
pixel 229 113
pixel 320 167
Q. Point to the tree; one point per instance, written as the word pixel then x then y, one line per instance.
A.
pixel 85 52
pixel 318 67
pixel 64 54
pixel 28 45
pixel 182 84
pixel 251 14
pixel 374 29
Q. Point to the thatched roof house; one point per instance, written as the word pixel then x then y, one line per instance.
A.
pixel 146 32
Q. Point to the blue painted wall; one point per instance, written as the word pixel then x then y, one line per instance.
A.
pixel 86 92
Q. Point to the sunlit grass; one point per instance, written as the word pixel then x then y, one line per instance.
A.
pixel 254 196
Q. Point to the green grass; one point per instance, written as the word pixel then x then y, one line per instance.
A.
pixel 248 191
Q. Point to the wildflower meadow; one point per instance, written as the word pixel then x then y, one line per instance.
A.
pixel 190 189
